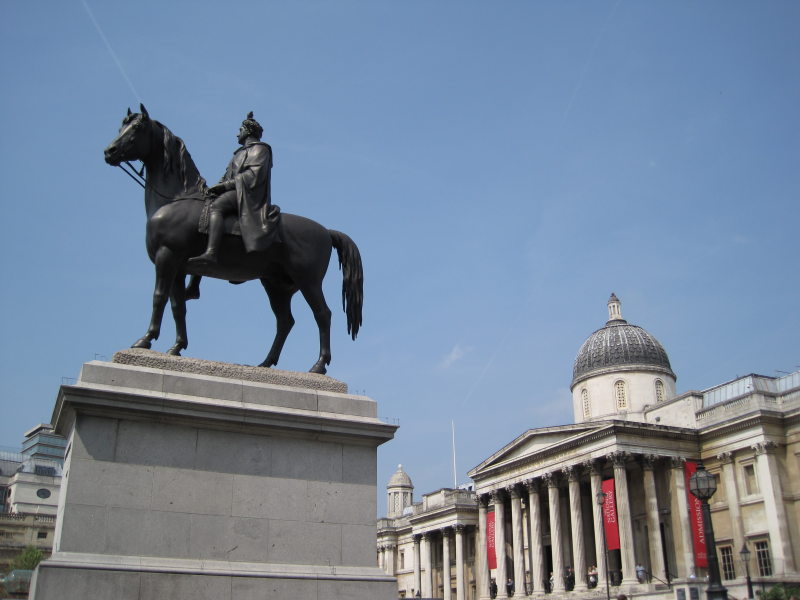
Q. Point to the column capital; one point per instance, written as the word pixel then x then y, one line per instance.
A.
pixel 590 467
pixel 514 492
pixel 649 461
pixel 417 537
pixel 551 479
pixel 460 529
pixel 725 458
pixel 677 462
pixel 532 485
pixel 765 447
pixel 446 532
pixel 619 459
pixel 571 472
pixel 498 496
pixel 427 536
pixel 483 500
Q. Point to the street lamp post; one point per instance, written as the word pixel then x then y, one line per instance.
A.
pixel 601 500
pixel 702 484
pixel 745 554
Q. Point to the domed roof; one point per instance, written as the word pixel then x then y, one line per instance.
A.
pixel 400 479
pixel 619 346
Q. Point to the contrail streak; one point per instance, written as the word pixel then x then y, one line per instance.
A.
pixel 586 64
pixel 110 50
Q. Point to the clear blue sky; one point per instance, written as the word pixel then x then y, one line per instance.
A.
pixel 503 168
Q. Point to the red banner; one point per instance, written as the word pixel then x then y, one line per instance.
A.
pixel 490 540
pixel 610 515
pixel 696 519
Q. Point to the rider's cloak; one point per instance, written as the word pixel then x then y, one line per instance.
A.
pixel 250 170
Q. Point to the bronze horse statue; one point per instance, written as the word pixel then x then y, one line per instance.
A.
pixel 174 200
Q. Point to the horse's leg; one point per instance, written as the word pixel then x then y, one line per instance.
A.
pixel 280 299
pixel 322 315
pixel 177 299
pixel 166 266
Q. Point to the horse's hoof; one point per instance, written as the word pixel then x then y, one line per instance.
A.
pixel 266 363
pixel 174 351
pixel 142 343
pixel 319 368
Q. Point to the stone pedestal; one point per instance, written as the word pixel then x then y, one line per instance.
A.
pixel 183 484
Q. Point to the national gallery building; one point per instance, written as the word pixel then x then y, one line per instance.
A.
pixel 536 520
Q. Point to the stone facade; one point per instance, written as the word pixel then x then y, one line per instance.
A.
pixel 540 490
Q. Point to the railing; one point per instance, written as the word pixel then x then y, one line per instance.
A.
pixel 744 404
pixel 24 516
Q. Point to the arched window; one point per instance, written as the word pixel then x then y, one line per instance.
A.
pixel 659 390
pixel 621 395
pixel 587 409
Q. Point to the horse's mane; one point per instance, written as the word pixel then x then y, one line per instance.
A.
pixel 177 158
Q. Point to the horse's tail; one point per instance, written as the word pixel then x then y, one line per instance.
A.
pixel 352 279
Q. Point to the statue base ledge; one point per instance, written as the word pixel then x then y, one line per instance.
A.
pixel 140 357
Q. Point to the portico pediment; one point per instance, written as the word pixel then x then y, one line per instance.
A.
pixel 533 442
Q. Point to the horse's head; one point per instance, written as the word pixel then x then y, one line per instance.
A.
pixel 133 142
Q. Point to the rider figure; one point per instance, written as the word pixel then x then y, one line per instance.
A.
pixel 244 190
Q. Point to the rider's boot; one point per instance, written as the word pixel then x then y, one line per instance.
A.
pixel 216 223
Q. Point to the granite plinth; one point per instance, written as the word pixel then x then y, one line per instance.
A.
pixel 140 357
pixel 186 485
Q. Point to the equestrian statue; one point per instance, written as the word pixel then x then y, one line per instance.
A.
pixel 231 231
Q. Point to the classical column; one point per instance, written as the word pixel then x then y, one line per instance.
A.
pixel 679 481
pixel 596 479
pixel 460 586
pixel 555 532
pixel 417 563
pixel 389 559
pixel 427 561
pixel 732 497
pixel 516 532
pixel 538 575
pixel 500 538
pixel 624 519
pixel 482 560
pixel 772 492
pixel 653 523
pixel 380 559
pixel 578 552
pixel 446 563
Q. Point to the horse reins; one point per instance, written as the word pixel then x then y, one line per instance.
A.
pixel 138 177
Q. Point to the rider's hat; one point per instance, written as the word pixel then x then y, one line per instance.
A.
pixel 252 125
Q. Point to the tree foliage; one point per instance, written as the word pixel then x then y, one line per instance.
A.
pixel 781 592
pixel 28 559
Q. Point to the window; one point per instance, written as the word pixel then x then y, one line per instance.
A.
pixel 659 390
pixel 763 559
pixel 587 409
pixel 750 479
pixel 620 395
pixel 41 535
pixel 726 562
pixel 402 559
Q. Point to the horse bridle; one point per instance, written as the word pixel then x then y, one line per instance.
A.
pixel 138 176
